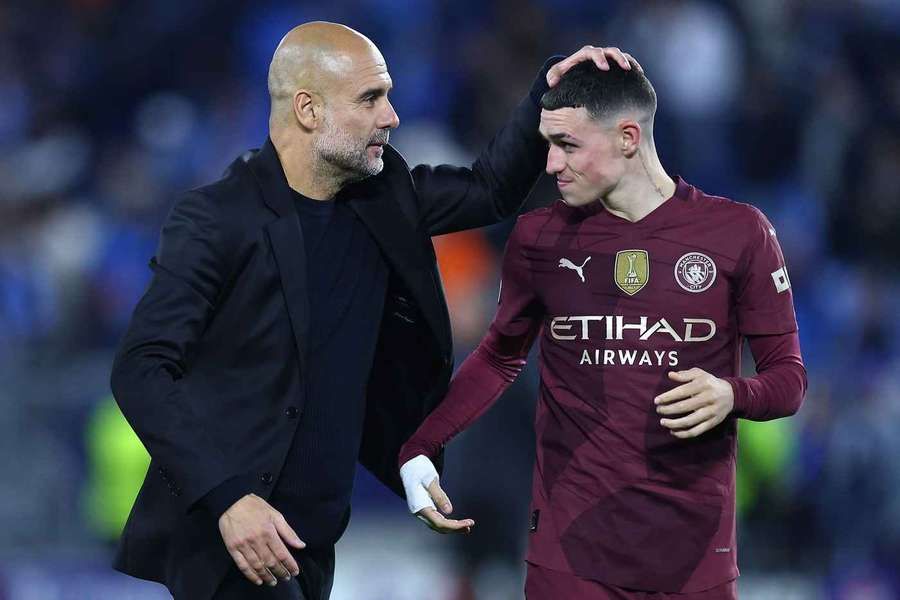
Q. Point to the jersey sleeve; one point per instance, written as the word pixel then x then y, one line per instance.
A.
pixel 519 307
pixel 494 364
pixel 764 300
pixel 780 382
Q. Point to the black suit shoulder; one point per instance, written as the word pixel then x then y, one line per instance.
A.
pixel 235 195
pixel 229 210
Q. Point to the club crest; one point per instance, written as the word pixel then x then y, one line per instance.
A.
pixel 695 272
pixel 632 271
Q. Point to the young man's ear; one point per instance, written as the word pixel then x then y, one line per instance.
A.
pixel 630 137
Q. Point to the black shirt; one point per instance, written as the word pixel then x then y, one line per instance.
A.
pixel 347 282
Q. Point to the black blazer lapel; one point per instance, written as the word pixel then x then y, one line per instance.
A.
pixel 374 202
pixel 286 237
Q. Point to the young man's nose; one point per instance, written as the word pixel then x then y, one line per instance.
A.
pixel 555 161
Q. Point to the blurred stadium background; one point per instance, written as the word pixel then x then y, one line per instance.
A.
pixel 108 107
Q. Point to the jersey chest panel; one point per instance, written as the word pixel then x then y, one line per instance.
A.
pixel 647 301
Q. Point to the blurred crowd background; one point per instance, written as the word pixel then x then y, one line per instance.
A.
pixel 109 107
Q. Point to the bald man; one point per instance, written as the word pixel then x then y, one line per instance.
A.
pixel 295 324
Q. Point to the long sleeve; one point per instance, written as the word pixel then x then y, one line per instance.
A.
pixel 493 366
pixel 778 388
pixel 190 271
pixel 765 314
pixel 495 186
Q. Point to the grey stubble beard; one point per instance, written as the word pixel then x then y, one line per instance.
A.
pixel 340 159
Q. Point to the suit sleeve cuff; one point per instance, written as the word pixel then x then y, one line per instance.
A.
pixel 220 498
pixel 540 87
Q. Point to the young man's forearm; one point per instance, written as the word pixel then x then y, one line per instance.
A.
pixel 778 388
pixel 481 379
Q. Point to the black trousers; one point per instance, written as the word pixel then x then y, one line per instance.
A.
pixel 313 583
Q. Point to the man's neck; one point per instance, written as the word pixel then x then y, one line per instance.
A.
pixel 642 191
pixel 303 170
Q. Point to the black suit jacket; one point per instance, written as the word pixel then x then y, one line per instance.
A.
pixel 209 371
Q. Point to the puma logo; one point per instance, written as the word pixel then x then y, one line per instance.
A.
pixel 568 264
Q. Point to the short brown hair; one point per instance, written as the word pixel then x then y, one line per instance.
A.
pixel 602 93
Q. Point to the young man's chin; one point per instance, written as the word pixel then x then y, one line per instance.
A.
pixel 574 201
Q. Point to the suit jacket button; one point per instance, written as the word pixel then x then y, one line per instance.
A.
pixel 291 412
pixel 266 478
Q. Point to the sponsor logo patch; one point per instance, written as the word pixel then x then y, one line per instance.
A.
pixel 632 270
pixel 695 272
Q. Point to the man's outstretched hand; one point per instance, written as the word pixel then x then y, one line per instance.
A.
pixel 254 534
pixel 600 56
pixel 423 492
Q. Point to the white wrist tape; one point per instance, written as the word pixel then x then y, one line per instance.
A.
pixel 417 474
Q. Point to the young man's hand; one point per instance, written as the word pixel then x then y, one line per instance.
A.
pixel 702 399
pixel 423 491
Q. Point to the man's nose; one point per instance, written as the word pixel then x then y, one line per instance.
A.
pixel 389 119
pixel 555 161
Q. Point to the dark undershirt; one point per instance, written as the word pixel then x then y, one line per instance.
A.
pixel 315 215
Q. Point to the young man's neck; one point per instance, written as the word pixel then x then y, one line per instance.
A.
pixel 642 190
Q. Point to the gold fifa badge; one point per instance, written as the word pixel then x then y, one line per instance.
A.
pixel 632 270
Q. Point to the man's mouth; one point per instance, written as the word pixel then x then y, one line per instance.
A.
pixel 379 141
pixel 378 147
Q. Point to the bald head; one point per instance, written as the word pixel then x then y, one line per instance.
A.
pixel 318 57
pixel 331 116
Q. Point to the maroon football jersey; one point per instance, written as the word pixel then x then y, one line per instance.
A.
pixel 617 305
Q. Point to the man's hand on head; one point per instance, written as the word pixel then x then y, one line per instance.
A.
pixel 254 534
pixel 423 491
pixel 701 402
pixel 600 57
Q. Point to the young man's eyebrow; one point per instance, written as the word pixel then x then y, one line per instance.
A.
pixel 556 137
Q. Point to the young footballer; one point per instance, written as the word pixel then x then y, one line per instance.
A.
pixel 642 289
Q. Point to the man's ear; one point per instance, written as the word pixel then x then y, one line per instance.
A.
pixel 308 109
pixel 630 134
